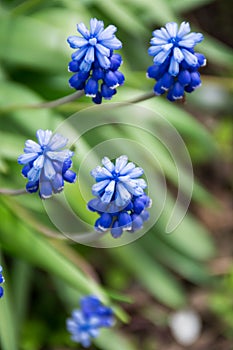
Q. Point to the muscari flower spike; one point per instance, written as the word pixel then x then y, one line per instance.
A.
pixel 176 63
pixel 1 281
pixel 47 164
pixel 94 61
pixel 86 322
pixel 120 198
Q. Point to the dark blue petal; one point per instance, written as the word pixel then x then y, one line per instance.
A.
pixel 46 189
pixel 58 183
pixel 76 82
pixel 195 79
pixel 106 92
pixel 116 230
pixel 73 66
pixel 154 72
pixel 110 79
pixel 145 215
pixel 116 61
pixel 98 98
pixel 97 73
pixel 177 91
pixel 105 221
pixel 166 81
pixel 1 292
pixel 158 88
pixel 120 77
pixel 69 176
pixel 32 186
pixel 125 221
pixel 138 206
pixel 91 87
pixel 137 222
pixel 201 59
pixel 184 77
pixel 26 169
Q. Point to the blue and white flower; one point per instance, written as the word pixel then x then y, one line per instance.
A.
pixel 95 61
pixel 176 63
pixel 47 164
pixel 2 280
pixel 85 323
pixel 120 198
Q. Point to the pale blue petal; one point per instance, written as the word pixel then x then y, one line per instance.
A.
pixel 96 26
pixel 100 173
pixel 187 43
pixel 99 187
pixel 107 33
pixel 165 33
pixel 172 28
pixel 108 164
pixel 121 163
pixel 114 44
pixel 39 162
pixel 189 57
pixel 77 42
pixel 174 67
pixel 85 66
pixel 177 54
pixel 184 29
pixel 122 195
pixel 60 156
pixel 196 37
pixel 26 158
pixel 133 188
pixel 43 136
pixel 33 174
pixel 161 57
pixel 109 191
pixel 136 173
pixel 154 50
pixel 79 54
pixel 94 332
pixel 104 62
pixel 158 41
pixel 32 147
pixel 57 141
pixel 127 169
pixel 103 50
pixel 90 55
pixel 46 189
pixel 49 170
pixel 82 29
pixel 160 34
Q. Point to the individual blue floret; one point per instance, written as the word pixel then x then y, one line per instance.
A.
pixel 94 62
pixel 85 323
pixel 120 198
pixel 47 164
pixel 176 64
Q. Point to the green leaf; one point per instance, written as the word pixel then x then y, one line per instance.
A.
pixel 114 340
pixel 159 282
pixel 187 5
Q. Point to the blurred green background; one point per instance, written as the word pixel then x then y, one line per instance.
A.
pixel 158 273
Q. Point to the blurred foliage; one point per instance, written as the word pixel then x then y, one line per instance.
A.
pixel 42 270
pixel 221 303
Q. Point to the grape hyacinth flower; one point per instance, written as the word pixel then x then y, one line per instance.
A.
pixel 1 281
pixel 120 198
pixel 176 63
pixel 47 164
pixel 86 321
pixel 94 61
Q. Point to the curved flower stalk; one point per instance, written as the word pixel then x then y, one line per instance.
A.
pixel 120 198
pixel 94 61
pixel 47 164
pixel 86 322
pixel 1 281
pixel 176 63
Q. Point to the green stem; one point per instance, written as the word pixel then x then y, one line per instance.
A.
pixel 10 192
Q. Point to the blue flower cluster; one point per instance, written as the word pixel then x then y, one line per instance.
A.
pixel 86 321
pixel 94 61
pixel 176 64
pixel 47 164
pixel 1 281
pixel 120 198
